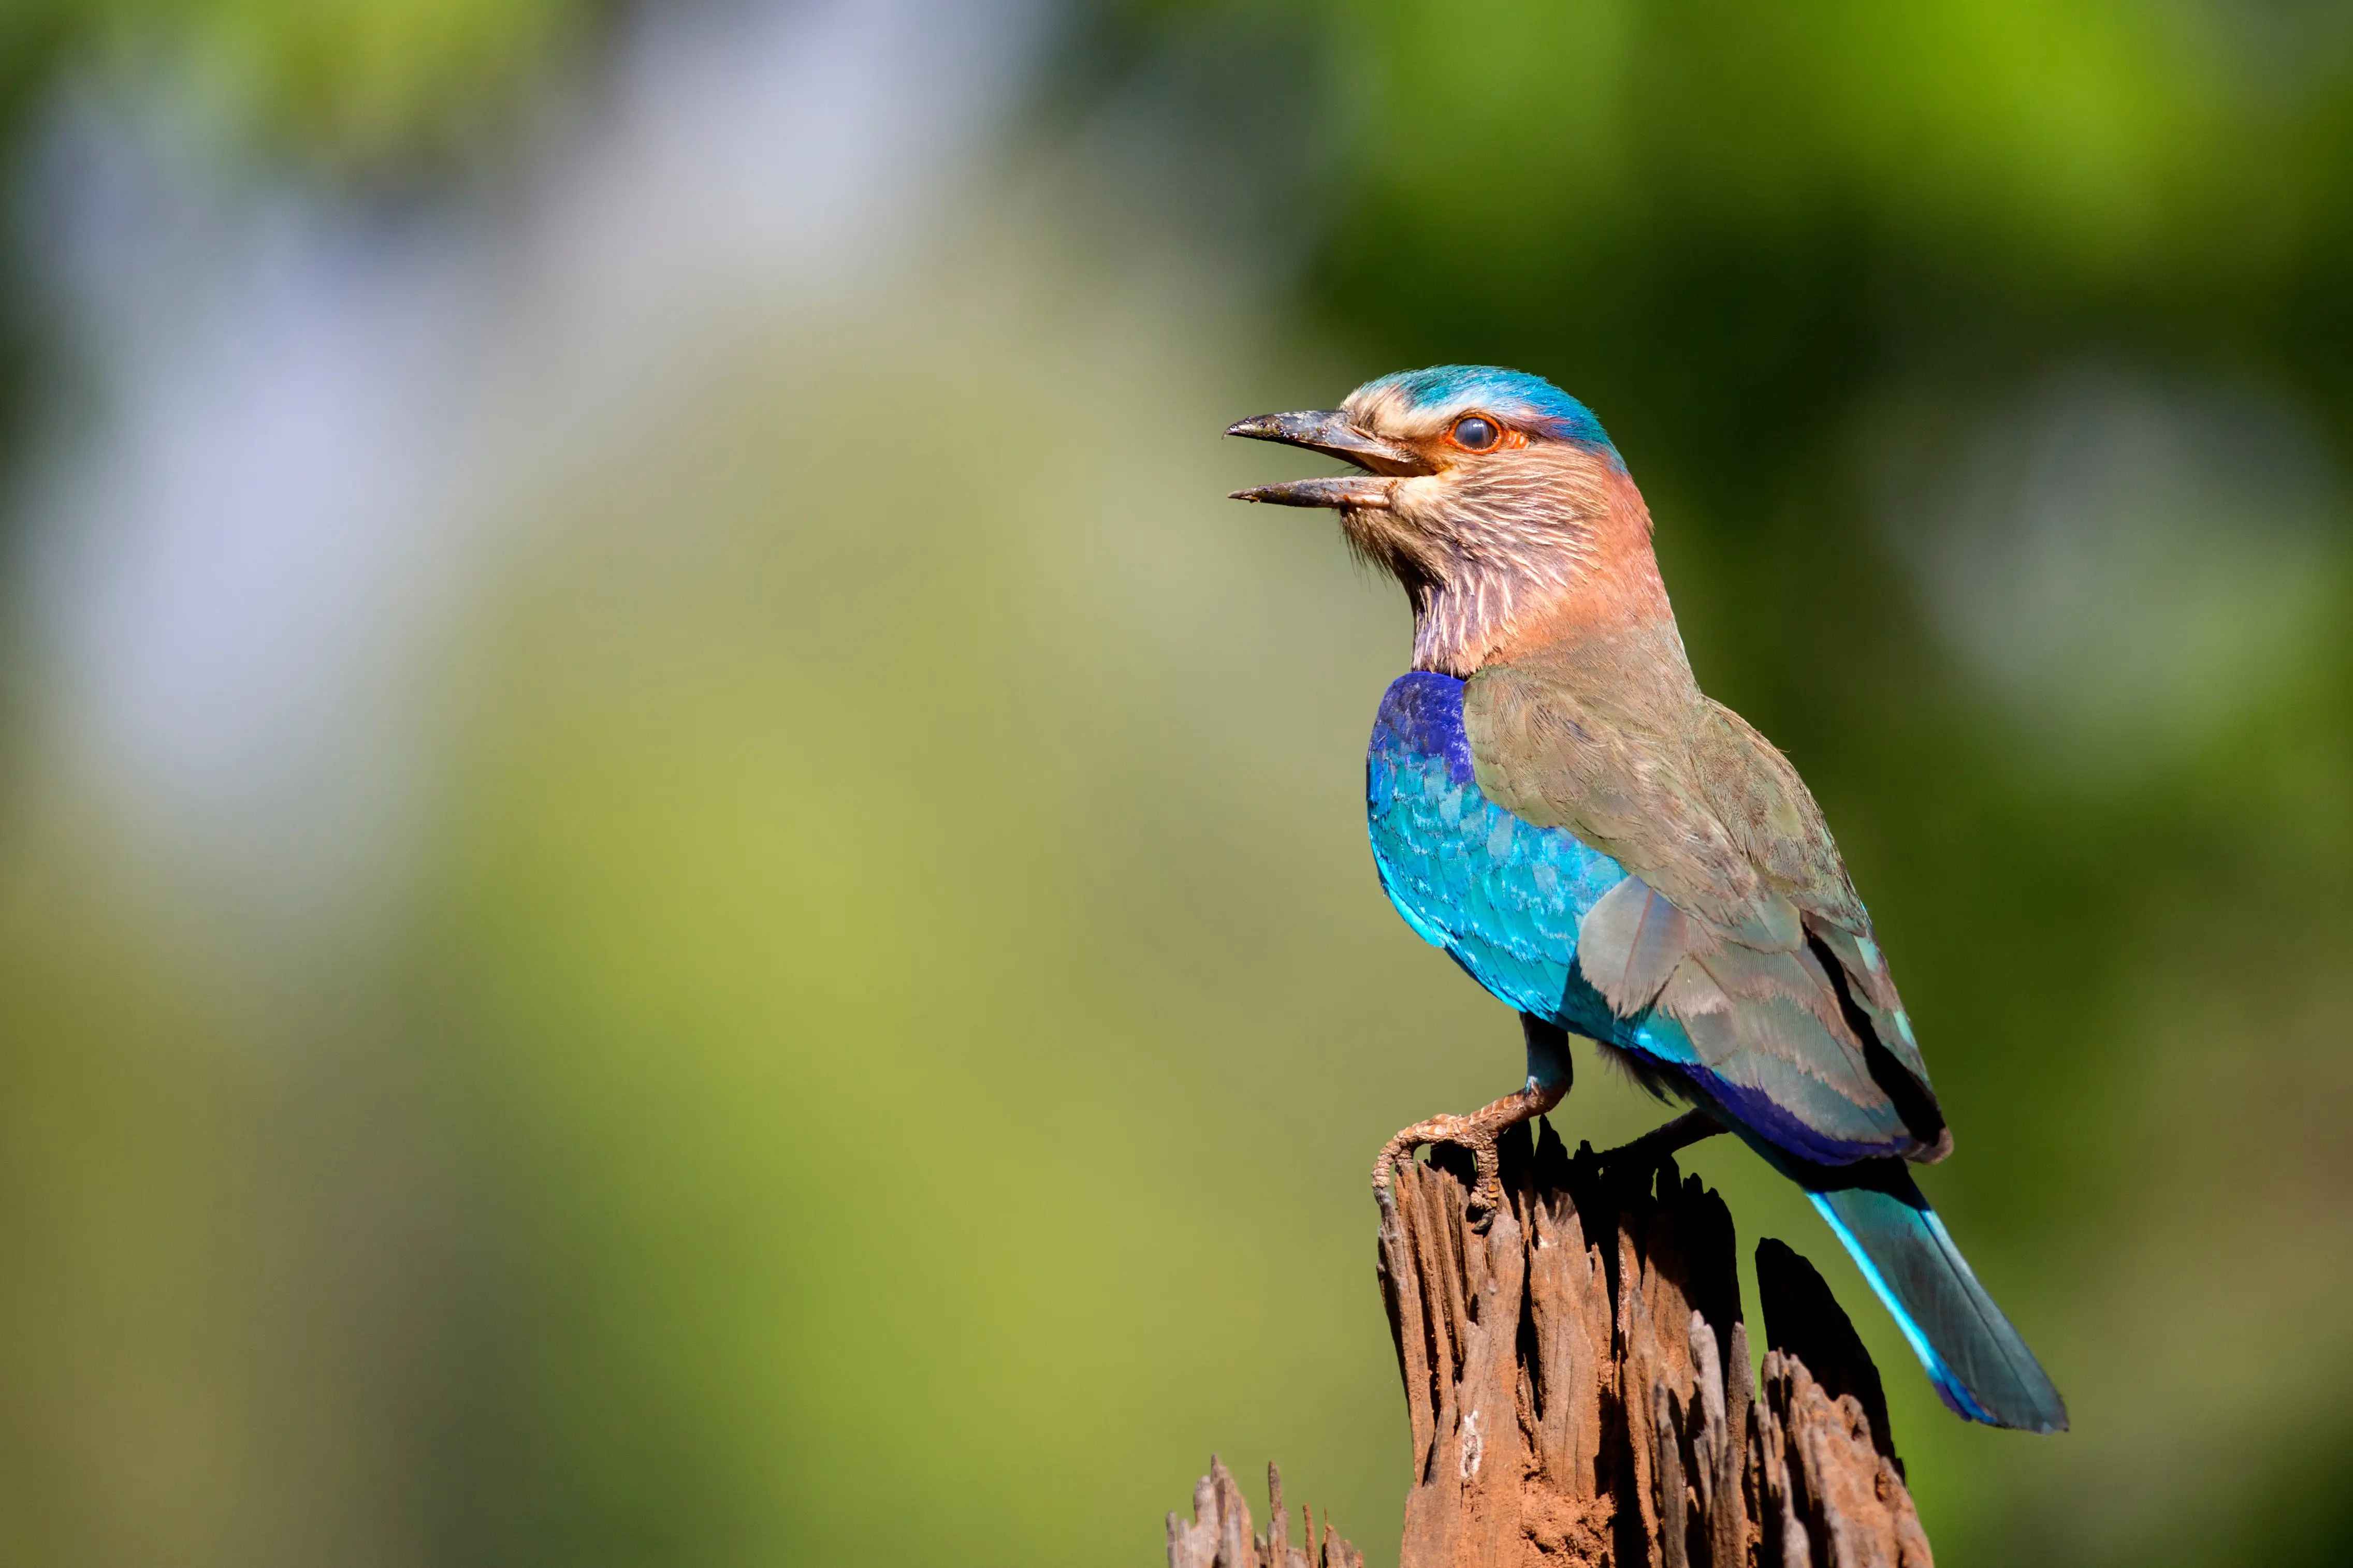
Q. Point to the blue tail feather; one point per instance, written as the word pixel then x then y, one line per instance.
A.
pixel 1980 1366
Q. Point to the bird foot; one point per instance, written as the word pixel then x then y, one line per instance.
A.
pixel 1476 1132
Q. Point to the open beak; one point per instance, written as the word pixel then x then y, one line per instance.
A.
pixel 1328 431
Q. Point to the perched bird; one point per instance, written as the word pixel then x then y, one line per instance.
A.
pixel 1555 803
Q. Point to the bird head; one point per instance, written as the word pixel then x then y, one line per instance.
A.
pixel 1492 496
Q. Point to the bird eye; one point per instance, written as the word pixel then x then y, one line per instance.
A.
pixel 1476 433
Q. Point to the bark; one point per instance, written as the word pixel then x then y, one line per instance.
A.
pixel 1577 1386
pixel 1577 1392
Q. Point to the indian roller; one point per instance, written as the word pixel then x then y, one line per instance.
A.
pixel 1555 803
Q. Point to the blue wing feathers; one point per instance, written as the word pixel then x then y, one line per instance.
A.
pixel 1501 896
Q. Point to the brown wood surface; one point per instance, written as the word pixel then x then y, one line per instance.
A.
pixel 1578 1390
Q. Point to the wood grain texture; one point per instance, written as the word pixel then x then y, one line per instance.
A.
pixel 1219 1535
pixel 1577 1388
pixel 1827 1496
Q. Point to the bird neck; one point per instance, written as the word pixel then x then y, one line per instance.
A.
pixel 1601 587
pixel 1460 622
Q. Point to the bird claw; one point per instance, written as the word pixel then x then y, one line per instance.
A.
pixel 1476 1132
pixel 1466 1132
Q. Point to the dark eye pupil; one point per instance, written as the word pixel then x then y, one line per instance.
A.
pixel 1476 433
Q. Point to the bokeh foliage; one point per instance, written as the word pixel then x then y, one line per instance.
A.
pixel 877 1048
pixel 356 87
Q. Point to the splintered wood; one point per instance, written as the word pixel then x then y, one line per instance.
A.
pixel 1219 1533
pixel 1578 1390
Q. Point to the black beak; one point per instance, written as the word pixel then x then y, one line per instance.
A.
pixel 1328 431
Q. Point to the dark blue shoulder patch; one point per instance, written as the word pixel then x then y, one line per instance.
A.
pixel 1423 712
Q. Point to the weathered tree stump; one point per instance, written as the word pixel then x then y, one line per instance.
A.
pixel 1578 1391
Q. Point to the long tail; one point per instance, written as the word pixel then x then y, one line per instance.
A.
pixel 1979 1365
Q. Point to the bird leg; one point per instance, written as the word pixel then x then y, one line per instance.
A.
pixel 1655 1145
pixel 1475 1133
pixel 1547 1085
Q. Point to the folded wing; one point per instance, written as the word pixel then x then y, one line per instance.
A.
pixel 1735 919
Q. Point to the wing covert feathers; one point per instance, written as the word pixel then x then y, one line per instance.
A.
pixel 1736 917
pixel 1629 942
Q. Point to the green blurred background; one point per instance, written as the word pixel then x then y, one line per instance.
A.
pixel 673 890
